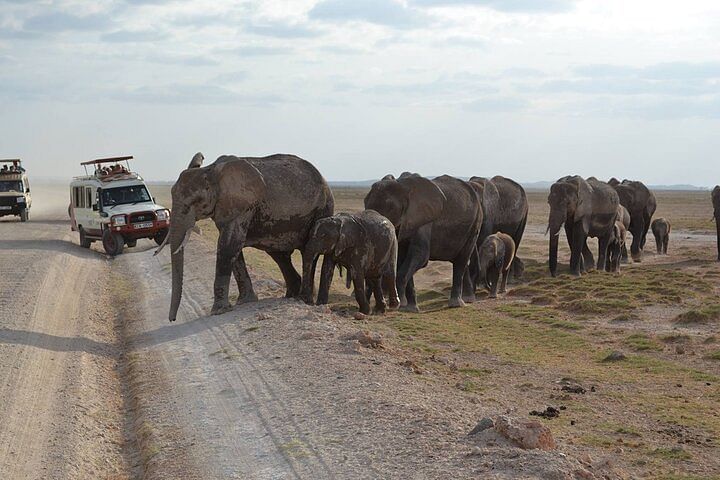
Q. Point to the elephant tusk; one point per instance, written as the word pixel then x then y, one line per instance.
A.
pixel 557 234
pixel 162 245
pixel 190 231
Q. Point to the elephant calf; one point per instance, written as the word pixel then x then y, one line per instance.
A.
pixel 616 246
pixel 661 229
pixel 365 244
pixel 495 257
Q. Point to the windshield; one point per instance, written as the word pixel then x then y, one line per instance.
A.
pixel 11 186
pixel 124 195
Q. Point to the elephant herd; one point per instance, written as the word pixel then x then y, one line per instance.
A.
pixel 281 203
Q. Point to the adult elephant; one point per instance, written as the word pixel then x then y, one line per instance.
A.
pixel 587 208
pixel 716 206
pixel 434 220
pixel 269 203
pixel 641 204
pixel 505 209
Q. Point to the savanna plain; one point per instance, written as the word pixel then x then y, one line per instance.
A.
pixel 97 384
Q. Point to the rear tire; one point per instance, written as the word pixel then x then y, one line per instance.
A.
pixel 84 241
pixel 160 236
pixel 24 215
pixel 112 243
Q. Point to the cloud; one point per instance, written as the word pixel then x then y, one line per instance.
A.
pixel 626 86
pixel 62 22
pixel 659 71
pixel 133 36
pixel 390 13
pixel 188 60
pixel 281 30
pixel 231 77
pixel 510 6
pixel 184 94
pixel 497 104
pixel 260 51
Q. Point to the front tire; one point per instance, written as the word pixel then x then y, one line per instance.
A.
pixel 160 236
pixel 84 241
pixel 112 243
pixel 132 243
pixel 24 215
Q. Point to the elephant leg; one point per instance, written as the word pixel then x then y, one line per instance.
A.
pixel 717 227
pixel 293 281
pixel 470 278
pixel 579 240
pixel 624 253
pixel 359 284
pixel 588 259
pixel 603 243
pixel 411 305
pixel 503 282
pixel 517 268
pixel 389 286
pixel 637 229
pixel 245 287
pixel 230 245
pixel 459 269
pixel 665 245
pixel 646 226
pixel 659 245
pixel 416 257
pixel 376 285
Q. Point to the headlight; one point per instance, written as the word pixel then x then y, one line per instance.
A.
pixel 162 215
pixel 20 199
pixel 118 220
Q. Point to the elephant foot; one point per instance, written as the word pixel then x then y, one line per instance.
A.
pixel 403 302
pixel 409 308
pixel 503 290
pixel 492 296
pixel 393 303
pixel 220 307
pixel 469 298
pixel 247 299
pixel 456 303
pixel 379 310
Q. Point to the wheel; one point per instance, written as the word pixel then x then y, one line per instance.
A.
pixel 112 243
pixel 131 243
pixel 160 236
pixel 84 241
pixel 24 215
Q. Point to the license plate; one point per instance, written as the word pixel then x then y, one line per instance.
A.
pixel 143 225
pixel 5 207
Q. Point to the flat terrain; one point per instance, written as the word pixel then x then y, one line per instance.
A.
pixel 97 383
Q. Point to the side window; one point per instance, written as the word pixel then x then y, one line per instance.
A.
pixel 76 192
pixel 88 197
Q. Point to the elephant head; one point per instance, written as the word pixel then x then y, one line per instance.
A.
pixel 224 191
pixel 569 201
pixel 409 202
pixel 333 235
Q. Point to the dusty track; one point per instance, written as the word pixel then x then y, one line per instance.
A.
pixel 60 402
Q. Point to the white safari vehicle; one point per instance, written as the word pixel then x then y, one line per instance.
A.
pixel 14 190
pixel 114 205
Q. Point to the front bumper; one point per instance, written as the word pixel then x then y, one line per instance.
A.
pixel 11 208
pixel 149 229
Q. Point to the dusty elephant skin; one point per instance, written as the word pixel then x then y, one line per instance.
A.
pixel 269 203
pixel 435 220
pixel 587 208
pixel 616 246
pixel 641 204
pixel 624 219
pixel 366 245
pixel 505 209
pixel 716 207
pixel 495 257
pixel 661 229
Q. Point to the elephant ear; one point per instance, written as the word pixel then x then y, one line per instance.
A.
pixel 240 186
pixel 351 233
pixel 425 203
pixel 585 195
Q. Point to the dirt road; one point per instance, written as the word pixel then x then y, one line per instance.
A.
pixel 61 403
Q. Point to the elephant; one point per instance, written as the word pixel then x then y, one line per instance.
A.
pixel 587 208
pixel 435 219
pixel 641 204
pixel 365 244
pixel 616 246
pixel 505 209
pixel 624 218
pixel 495 257
pixel 661 229
pixel 716 207
pixel 269 203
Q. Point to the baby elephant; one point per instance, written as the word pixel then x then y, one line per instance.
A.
pixel 661 229
pixel 365 244
pixel 616 246
pixel 495 256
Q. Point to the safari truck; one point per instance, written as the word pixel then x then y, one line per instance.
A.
pixel 113 205
pixel 14 190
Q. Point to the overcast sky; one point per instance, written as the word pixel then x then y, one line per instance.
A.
pixel 531 89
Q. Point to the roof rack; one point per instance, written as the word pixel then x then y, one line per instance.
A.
pixel 10 160
pixel 107 160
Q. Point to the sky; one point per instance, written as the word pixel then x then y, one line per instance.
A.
pixel 530 89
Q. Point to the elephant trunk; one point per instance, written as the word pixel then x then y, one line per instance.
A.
pixel 178 234
pixel 555 221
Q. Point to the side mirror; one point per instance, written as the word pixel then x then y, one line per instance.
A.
pixel 27 190
pixel 95 207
